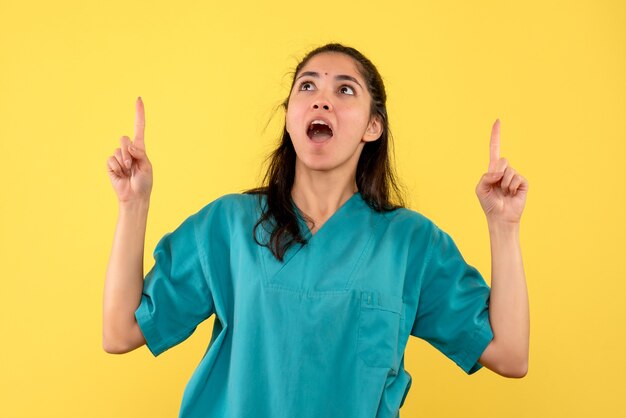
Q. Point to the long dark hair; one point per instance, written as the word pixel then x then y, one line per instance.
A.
pixel 375 177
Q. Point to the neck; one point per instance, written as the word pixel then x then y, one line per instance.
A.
pixel 320 193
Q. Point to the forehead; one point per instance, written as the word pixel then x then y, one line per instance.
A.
pixel 330 64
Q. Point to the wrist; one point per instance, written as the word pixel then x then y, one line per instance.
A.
pixel 503 229
pixel 139 206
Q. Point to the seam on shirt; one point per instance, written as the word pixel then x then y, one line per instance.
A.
pixel 475 344
pixel 429 255
pixel 291 250
pixel 366 248
pixel 179 337
pixel 306 292
pixel 154 335
pixel 202 258
pixel 261 256
pixel 154 340
pixel 258 203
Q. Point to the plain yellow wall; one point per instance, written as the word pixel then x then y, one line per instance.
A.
pixel 210 76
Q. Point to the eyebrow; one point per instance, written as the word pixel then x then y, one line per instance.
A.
pixel 337 77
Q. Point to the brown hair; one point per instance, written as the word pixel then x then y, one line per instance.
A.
pixel 375 178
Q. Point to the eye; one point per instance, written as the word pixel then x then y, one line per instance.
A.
pixel 348 87
pixel 305 83
pixel 342 88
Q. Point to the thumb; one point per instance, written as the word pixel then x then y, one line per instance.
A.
pixel 492 177
pixel 487 180
pixel 137 153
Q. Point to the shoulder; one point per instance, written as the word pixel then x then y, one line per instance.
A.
pixel 427 237
pixel 229 201
pixel 227 211
pixel 409 234
pixel 415 231
pixel 410 222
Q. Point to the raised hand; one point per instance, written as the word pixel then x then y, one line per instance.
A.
pixel 129 168
pixel 501 191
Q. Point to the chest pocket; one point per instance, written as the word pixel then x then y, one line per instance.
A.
pixel 379 327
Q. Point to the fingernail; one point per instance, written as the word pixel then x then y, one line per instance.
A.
pixel 131 148
pixel 127 163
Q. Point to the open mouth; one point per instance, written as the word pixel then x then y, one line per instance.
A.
pixel 319 131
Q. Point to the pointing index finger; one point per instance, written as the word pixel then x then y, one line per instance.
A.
pixel 140 124
pixel 494 146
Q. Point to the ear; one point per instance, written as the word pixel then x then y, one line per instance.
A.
pixel 374 129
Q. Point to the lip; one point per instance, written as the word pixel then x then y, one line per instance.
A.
pixel 328 122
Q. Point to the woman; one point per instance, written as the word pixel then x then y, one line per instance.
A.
pixel 317 279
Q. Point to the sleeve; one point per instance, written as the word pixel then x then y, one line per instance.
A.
pixel 453 307
pixel 176 295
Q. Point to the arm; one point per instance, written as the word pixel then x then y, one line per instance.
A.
pixel 502 194
pixel 124 280
pixel 130 172
pixel 509 316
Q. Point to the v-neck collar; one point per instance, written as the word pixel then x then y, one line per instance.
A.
pixel 340 212
pixel 329 261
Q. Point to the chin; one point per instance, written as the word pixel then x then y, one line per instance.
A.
pixel 316 164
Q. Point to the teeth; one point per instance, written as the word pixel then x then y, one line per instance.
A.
pixel 313 131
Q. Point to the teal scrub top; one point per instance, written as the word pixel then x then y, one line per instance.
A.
pixel 323 333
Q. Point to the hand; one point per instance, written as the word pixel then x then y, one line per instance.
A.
pixel 501 191
pixel 130 170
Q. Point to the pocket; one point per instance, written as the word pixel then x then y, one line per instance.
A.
pixel 379 327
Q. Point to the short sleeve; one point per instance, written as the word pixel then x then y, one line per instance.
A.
pixel 453 308
pixel 176 295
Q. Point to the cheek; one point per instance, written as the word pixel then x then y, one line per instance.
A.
pixel 290 124
pixel 289 119
pixel 293 118
pixel 359 120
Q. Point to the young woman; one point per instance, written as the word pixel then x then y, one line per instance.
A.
pixel 317 279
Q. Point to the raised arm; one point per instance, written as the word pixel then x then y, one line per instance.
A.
pixel 130 172
pixel 502 194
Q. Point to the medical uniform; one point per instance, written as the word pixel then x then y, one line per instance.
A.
pixel 321 334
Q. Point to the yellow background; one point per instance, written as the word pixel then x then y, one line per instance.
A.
pixel 210 75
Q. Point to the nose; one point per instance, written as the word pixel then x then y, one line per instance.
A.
pixel 323 103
